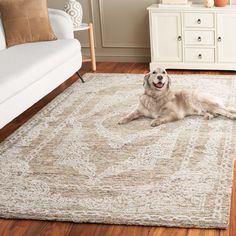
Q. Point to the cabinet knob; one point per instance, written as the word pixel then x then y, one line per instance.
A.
pixel 219 39
pixel 199 21
pixel 199 39
pixel 200 56
pixel 179 38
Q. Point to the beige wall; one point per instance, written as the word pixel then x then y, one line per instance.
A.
pixel 121 28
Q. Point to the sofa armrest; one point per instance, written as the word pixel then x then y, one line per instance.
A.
pixel 61 24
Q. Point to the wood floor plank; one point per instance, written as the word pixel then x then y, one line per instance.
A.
pixel 105 230
pixel 44 228
pixel 164 231
pixel 203 232
pixel 3 226
pixel 123 230
pixel 17 227
pixel 232 226
pixel 157 231
pixel 54 228
pixel 35 228
pixel 83 229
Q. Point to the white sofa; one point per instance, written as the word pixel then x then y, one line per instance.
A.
pixel 30 71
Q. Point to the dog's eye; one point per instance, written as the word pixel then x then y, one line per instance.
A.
pixel 154 72
pixel 163 72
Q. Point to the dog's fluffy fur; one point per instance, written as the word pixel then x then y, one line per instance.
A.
pixel 163 105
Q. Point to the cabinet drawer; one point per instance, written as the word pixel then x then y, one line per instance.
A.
pixel 199 55
pixel 199 37
pixel 200 20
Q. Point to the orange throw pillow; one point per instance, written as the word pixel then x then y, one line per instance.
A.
pixel 25 21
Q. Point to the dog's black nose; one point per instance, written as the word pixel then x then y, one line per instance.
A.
pixel 160 77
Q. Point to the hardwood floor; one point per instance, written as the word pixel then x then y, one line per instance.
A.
pixel 35 228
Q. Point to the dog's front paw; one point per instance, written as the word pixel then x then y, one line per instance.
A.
pixel 122 121
pixel 155 123
pixel 208 116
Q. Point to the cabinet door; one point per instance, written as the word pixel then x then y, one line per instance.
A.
pixel 226 37
pixel 166 37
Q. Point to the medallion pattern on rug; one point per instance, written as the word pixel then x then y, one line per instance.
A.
pixel 73 162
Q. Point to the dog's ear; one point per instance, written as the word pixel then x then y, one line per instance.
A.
pixel 169 82
pixel 146 82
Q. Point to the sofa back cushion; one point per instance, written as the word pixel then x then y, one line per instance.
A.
pixel 25 21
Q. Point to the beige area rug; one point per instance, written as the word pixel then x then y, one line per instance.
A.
pixel 72 162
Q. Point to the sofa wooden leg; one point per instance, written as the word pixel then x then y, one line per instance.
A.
pixel 80 76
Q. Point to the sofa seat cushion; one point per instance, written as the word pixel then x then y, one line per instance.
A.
pixel 22 65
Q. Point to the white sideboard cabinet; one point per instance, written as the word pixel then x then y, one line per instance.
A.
pixel 193 37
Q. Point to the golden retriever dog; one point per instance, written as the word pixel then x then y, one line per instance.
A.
pixel 163 105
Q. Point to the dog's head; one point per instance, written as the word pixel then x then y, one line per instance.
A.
pixel 157 80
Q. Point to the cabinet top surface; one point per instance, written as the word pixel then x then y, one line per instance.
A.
pixel 194 7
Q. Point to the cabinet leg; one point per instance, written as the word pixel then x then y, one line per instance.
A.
pixel 92 46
